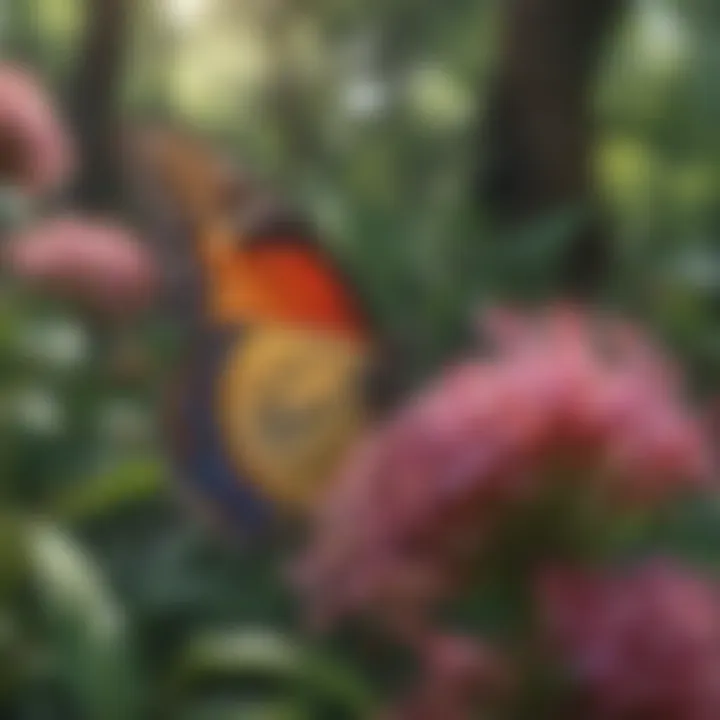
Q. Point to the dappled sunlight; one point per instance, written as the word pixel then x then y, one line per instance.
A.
pixel 184 13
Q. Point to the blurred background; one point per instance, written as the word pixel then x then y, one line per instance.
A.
pixel 453 154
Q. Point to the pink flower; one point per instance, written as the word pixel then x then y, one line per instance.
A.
pixel 35 151
pixel 567 401
pixel 100 265
pixel 460 675
pixel 643 645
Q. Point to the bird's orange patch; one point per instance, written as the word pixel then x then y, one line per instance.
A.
pixel 280 281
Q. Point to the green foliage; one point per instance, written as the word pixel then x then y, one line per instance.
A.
pixel 138 611
pixel 86 638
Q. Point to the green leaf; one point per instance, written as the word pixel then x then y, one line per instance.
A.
pixel 530 260
pixel 243 653
pixel 84 630
pixel 130 484
pixel 259 710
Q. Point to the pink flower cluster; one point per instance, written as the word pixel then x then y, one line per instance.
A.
pixel 641 645
pixel 35 151
pixel 565 397
pixel 100 265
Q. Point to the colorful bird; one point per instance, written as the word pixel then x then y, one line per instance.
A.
pixel 275 389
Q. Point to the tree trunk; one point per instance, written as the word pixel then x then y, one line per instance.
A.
pixel 96 97
pixel 537 141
